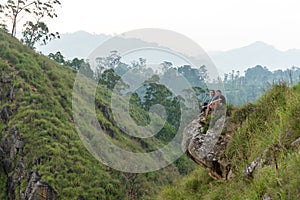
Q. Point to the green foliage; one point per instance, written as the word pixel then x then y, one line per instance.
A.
pixel 43 115
pixel 257 80
pixel 194 186
pixel 109 79
pixel 265 128
pixel 58 57
pixel 195 77
pixel 35 32
pixel 76 63
pixel 37 11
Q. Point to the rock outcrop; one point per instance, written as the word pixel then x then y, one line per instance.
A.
pixel 5 113
pixel 296 143
pixel 206 147
pixel 267 158
pixel 11 153
pixel 38 190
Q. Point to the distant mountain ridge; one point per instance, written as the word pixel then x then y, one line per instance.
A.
pixel 80 44
pixel 257 53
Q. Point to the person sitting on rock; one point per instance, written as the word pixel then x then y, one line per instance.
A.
pixel 208 104
pixel 220 101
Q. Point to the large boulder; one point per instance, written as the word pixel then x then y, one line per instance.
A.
pixel 206 147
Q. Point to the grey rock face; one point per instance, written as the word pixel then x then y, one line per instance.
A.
pixel 5 113
pixel 12 156
pixel 206 148
pixel 265 159
pixel 266 197
pixel 251 167
pixel 37 190
pixel 12 145
pixel 296 143
pixel 11 151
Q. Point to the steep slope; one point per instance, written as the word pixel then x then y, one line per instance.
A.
pixel 41 154
pixel 37 95
pixel 263 153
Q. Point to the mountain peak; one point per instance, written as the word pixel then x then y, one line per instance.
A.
pixel 256 53
pixel 259 45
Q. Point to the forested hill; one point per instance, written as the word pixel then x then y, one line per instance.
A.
pixel 41 154
pixel 261 157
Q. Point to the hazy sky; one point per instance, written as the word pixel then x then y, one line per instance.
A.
pixel 213 24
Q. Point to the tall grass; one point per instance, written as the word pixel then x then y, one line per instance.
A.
pixel 265 129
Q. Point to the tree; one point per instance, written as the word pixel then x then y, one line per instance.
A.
pixel 111 61
pixel 37 32
pixel 166 65
pixel 140 65
pixel 203 73
pixel 2 24
pixel 109 79
pixel 36 11
pixel 58 57
pixel 85 69
pixel 257 74
pixel 195 77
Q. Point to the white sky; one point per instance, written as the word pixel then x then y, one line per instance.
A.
pixel 213 24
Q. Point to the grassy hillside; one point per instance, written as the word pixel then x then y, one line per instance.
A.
pixel 265 130
pixel 38 93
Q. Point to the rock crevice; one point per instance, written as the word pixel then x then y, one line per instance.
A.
pixel 206 148
pixel 12 156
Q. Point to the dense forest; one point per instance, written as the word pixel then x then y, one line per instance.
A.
pixel 247 88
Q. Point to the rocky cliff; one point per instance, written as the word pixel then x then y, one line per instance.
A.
pixel 206 147
pixel 11 148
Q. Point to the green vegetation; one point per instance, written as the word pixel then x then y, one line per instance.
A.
pixel 39 93
pixel 42 112
pixel 242 89
pixel 266 129
pixel 36 12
